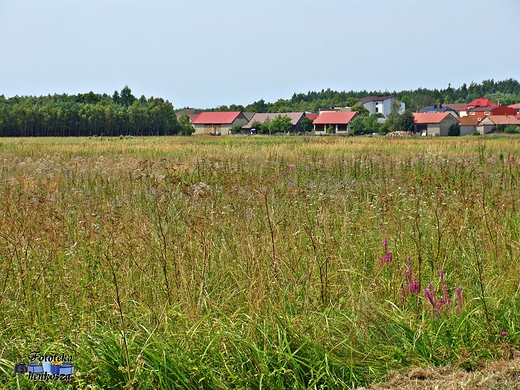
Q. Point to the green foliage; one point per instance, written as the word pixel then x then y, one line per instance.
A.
pixel 360 109
pixel 407 121
pixel 506 91
pixel 280 124
pixel 512 129
pixel 88 114
pixel 357 126
pixel 186 128
pixel 454 130
pixel 306 125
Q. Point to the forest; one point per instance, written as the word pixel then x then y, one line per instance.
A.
pixel 92 114
pixel 504 92
pixel 88 114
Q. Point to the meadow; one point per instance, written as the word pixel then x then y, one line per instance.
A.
pixel 257 262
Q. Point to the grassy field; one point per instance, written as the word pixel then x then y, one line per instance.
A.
pixel 257 262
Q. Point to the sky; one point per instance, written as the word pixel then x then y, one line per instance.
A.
pixel 205 54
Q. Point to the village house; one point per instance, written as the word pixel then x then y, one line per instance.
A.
pixel 479 113
pixel 217 123
pixel 380 104
pixel 335 122
pixel 439 108
pixel 491 122
pixel 435 124
pixel 296 119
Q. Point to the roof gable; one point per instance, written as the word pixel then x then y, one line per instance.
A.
pixel 427 117
pixel 481 102
pixel 500 120
pixel 216 118
pixel 335 118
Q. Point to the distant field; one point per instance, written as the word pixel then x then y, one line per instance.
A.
pixel 257 262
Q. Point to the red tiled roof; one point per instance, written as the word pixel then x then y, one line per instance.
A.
pixel 311 116
pixel 215 118
pixel 517 106
pixel 467 121
pixel 502 120
pixel 335 118
pixel 427 117
pixel 481 102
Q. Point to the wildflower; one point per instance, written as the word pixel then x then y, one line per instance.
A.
pixel 413 284
pixel 387 258
pixel 503 333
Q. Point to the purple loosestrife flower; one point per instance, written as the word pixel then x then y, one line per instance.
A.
pixel 387 258
pixel 413 284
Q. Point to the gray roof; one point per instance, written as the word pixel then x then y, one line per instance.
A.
pixel 295 118
pixel 436 108
pixel 374 99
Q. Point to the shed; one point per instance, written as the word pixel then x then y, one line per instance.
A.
pixel 434 123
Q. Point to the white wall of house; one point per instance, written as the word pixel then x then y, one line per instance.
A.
pixel 382 106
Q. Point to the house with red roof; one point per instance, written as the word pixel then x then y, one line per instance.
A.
pixel 516 107
pixel 479 113
pixel 492 122
pixel 217 123
pixel 480 102
pixel 434 124
pixel 335 122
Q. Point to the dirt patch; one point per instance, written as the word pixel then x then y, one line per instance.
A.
pixel 498 375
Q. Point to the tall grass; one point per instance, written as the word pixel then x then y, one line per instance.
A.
pixel 256 262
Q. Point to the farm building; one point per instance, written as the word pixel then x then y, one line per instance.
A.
pixel 468 125
pixel 216 123
pixel 491 122
pixel 434 123
pixel 296 119
pixel 336 121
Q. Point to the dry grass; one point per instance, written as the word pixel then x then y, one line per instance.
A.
pixel 265 245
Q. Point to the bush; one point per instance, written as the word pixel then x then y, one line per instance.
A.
pixel 512 129
pixel 454 130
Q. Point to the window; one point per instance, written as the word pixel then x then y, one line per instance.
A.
pixel 471 113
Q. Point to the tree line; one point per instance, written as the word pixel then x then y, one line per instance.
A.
pixel 506 92
pixel 89 114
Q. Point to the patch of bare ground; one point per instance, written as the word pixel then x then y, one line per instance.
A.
pixel 501 375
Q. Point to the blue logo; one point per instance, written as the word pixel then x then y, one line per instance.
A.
pixel 46 367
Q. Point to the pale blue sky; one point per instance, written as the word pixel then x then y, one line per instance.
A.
pixel 203 53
